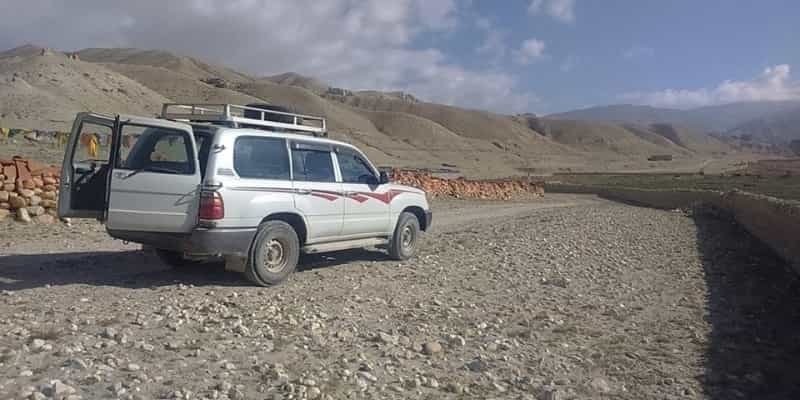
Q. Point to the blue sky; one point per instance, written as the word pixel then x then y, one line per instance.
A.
pixel 508 56
pixel 616 47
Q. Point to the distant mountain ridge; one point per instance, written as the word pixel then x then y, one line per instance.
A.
pixel 778 127
pixel 718 118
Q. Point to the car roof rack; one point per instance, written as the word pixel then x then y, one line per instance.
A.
pixel 239 116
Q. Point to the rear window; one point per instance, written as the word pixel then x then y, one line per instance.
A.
pixel 261 158
pixel 156 149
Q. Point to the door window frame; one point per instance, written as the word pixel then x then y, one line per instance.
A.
pixel 312 146
pixel 285 145
pixel 364 159
pixel 94 121
pixel 189 144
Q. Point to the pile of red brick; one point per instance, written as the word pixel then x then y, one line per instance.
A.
pixel 506 189
pixel 29 190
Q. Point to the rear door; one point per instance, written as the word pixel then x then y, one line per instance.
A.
pixel 317 194
pixel 155 181
pixel 86 167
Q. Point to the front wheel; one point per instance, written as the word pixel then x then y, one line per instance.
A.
pixel 274 254
pixel 403 244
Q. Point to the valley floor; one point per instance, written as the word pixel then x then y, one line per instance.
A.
pixel 565 297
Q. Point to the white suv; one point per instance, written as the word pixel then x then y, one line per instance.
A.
pixel 248 184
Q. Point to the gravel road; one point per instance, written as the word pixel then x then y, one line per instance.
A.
pixel 565 297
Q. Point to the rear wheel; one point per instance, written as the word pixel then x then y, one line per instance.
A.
pixel 404 240
pixel 274 254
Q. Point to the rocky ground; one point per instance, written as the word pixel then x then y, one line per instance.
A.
pixel 563 297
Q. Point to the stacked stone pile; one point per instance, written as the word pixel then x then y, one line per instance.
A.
pixel 506 189
pixel 29 190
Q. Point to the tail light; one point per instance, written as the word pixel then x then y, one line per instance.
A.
pixel 211 206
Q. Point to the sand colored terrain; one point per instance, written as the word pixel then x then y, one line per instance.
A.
pixel 43 89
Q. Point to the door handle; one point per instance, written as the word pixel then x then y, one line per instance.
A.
pixel 302 191
pixel 350 193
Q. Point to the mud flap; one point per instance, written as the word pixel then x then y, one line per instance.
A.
pixel 235 264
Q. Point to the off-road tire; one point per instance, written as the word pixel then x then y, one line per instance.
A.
pixel 175 259
pixel 400 248
pixel 271 236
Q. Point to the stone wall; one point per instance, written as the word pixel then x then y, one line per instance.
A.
pixel 29 190
pixel 461 188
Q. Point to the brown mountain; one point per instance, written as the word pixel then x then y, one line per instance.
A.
pixel 44 89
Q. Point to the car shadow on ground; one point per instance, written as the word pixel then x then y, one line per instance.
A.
pixel 140 269
pixel 753 298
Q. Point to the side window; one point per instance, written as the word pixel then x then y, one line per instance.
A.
pixel 94 143
pixel 312 165
pixel 261 158
pixel 156 149
pixel 354 168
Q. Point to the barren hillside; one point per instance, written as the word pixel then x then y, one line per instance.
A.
pixel 294 79
pixel 691 139
pixel 178 86
pixel 604 137
pixel 159 58
pixel 44 89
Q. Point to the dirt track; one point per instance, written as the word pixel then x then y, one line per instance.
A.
pixel 567 297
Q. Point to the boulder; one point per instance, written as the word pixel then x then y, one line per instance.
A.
pixel 49 204
pixel 23 216
pixel 17 202
pixel 36 210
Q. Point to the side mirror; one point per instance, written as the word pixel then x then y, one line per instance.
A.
pixel 384 178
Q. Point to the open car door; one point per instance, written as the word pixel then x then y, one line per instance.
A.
pixel 86 167
pixel 155 179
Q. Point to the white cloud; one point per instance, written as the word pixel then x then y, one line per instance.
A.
pixel 359 44
pixel 638 51
pixel 436 15
pixel 530 50
pixel 773 84
pixel 562 10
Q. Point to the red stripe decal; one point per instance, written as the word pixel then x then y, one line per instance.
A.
pixel 382 197
pixel 359 198
pixel 331 196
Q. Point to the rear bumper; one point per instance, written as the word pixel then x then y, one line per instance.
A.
pixel 221 241
pixel 202 241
